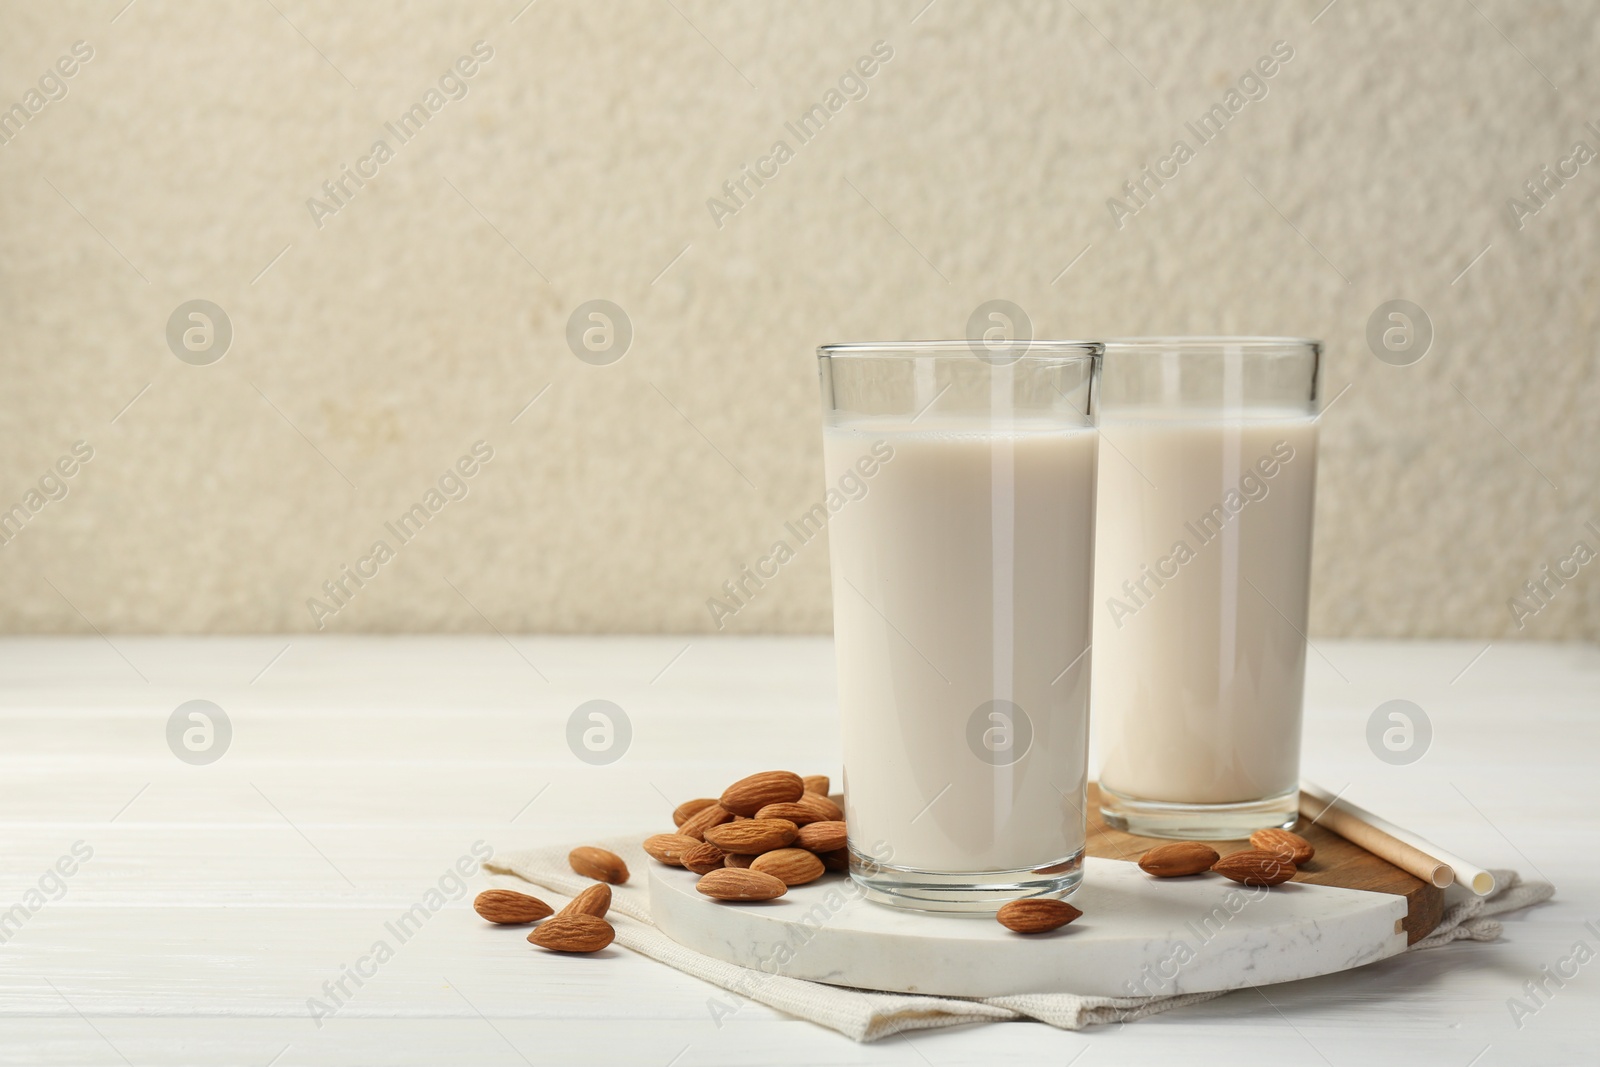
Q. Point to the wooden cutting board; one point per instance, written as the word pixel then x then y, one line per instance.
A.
pixel 1337 863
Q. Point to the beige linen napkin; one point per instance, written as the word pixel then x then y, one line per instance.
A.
pixel 867 1016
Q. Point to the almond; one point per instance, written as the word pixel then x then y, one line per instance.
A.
pixel 596 901
pixel 749 795
pixel 1296 849
pixel 827 810
pixel 798 813
pixel 510 906
pixel 733 859
pixel 1255 867
pixel 669 848
pixel 753 836
pixel 815 783
pixel 1036 915
pixel 703 857
pixel 688 808
pixel 837 860
pixel 1178 859
pixel 600 864
pixel 696 825
pixel 573 933
pixel 793 866
pixel 733 883
pixel 821 836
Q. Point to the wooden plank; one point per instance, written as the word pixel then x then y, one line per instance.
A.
pixel 1338 862
pixel 205 919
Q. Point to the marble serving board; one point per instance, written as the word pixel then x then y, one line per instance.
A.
pixel 1138 936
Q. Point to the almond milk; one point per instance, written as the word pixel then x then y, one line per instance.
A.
pixel 1203 553
pixel 962 584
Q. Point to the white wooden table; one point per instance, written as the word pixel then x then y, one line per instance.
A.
pixel 220 898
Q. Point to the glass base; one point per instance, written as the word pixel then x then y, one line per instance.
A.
pixel 977 892
pixel 1198 822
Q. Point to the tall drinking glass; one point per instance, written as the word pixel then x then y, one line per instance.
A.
pixel 961 498
pixel 1203 576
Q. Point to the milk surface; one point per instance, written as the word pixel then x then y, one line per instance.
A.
pixel 1203 557
pixel 963 576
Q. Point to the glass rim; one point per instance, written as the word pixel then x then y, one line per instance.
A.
pixel 965 347
pixel 1246 341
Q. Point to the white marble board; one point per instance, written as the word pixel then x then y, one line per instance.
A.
pixel 1138 936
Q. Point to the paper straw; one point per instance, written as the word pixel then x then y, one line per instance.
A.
pixel 1440 867
pixel 1363 828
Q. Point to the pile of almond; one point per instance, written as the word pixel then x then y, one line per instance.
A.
pixel 1276 857
pixel 765 833
pixel 774 830
pixel 581 926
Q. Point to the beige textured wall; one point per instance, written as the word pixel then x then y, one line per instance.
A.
pixel 426 312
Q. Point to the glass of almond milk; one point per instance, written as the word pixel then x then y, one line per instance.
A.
pixel 962 553
pixel 1203 571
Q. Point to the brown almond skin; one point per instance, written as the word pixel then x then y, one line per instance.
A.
pixel 826 810
pixel 595 900
pixel 826 836
pixel 1036 915
pixel 797 812
pixel 682 812
pixel 507 906
pixel 696 825
pixel 753 836
pixel 1177 859
pixel 733 859
pixel 837 860
pixel 736 884
pixel 703 857
pixel 1255 867
pixel 794 866
pixel 815 783
pixel 600 864
pixel 1296 849
pixel 750 794
pixel 669 848
pixel 573 933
